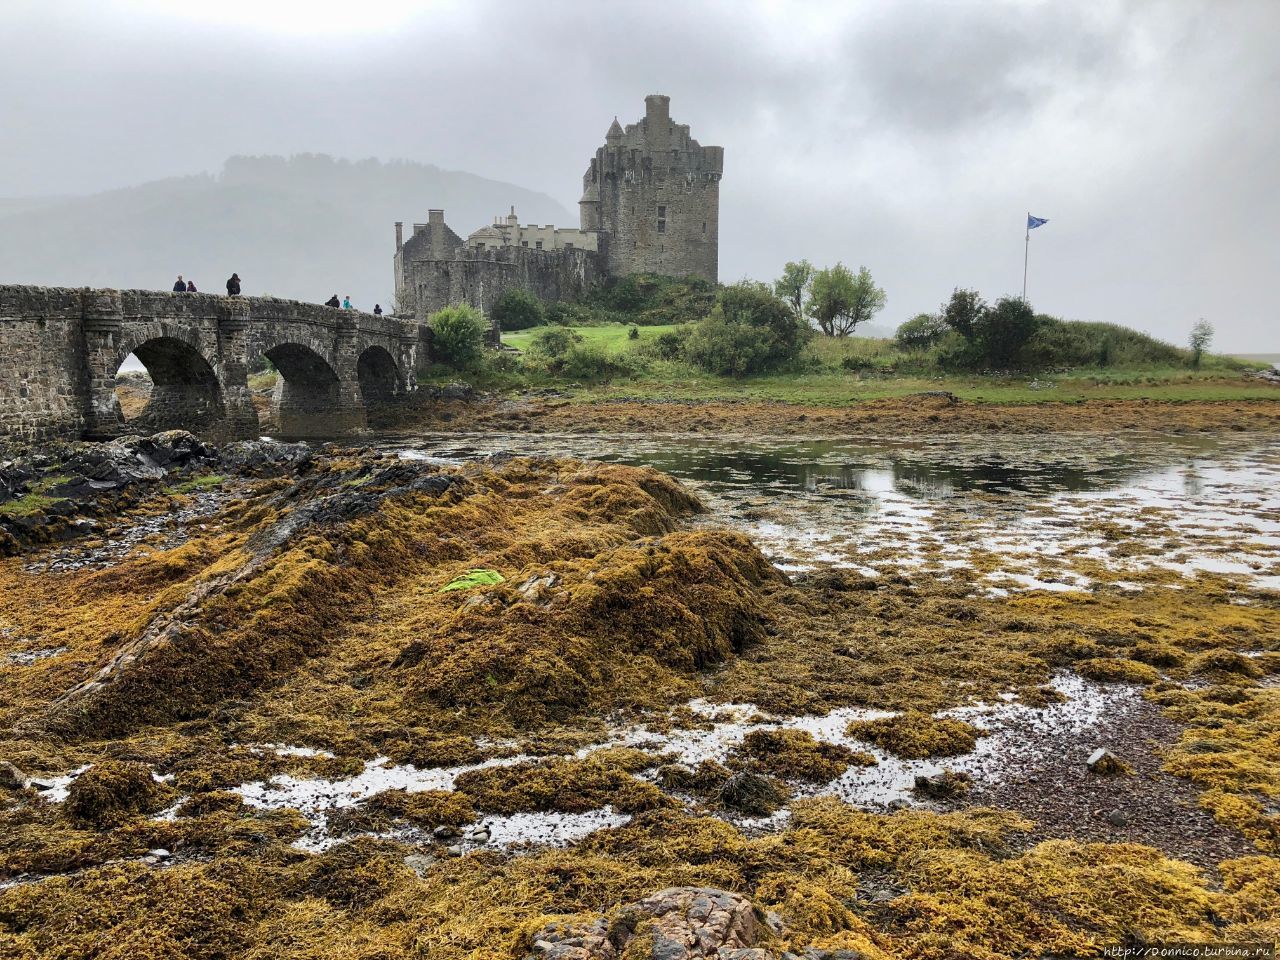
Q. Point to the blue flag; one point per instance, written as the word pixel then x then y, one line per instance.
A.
pixel 1033 222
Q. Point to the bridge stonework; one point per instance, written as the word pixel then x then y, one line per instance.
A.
pixel 61 349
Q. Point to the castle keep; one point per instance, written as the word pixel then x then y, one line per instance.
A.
pixel 650 204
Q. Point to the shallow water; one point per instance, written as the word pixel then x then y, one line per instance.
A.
pixel 1055 512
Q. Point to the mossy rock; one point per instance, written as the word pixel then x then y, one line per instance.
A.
pixel 796 755
pixel 113 791
pixel 915 735
pixel 1117 670
pixel 564 786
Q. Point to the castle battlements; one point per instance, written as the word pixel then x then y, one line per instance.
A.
pixel 650 204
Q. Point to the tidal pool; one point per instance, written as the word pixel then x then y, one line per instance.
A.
pixel 1055 512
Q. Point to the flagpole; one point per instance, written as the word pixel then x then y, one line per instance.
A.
pixel 1026 253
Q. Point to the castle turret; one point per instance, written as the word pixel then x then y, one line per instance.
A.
pixel 654 193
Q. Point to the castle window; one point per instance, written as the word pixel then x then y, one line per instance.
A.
pixel 704 226
pixel 662 213
pixel 538 244
pixel 568 246
pixel 479 246
pixel 662 226
pixel 525 243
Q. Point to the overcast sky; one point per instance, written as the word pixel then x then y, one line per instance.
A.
pixel 909 137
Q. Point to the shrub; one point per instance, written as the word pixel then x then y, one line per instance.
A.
pixel 749 331
pixel 921 332
pixel 568 314
pixel 457 336
pixel 553 343
pixel 518 310
pixel 1003 330
pixel 668 345
pixel 593 364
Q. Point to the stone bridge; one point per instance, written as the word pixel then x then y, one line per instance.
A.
pixel 61 348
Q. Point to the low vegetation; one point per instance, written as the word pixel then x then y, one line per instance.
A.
pixel 797 341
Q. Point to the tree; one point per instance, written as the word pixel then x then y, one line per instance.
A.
pixel 840 300
pixel 1201 337
pixel 457 336
pixel 920 332
pixel 793 285
pixel 518 310
pixel 749 331
pixel 963 312
pixel 1003 330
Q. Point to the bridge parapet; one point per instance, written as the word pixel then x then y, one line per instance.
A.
pixel 61 349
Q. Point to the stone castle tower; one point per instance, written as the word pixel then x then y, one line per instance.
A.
pixel 653 193
pixel 650 204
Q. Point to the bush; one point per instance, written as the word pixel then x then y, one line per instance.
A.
pixel 1002 331
pixel 457 336
pixel 668 345
pixel 750 331
pixel 648 299
pixel 568 314
pixel 592 364
pixel 553 343
pixel 921 332
pixel 518 310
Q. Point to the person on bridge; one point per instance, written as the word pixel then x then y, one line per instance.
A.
pixel 233 285
pixel 346 302
pixel 191 286
pixel 179 286
pixel 377 309
pixel 333 302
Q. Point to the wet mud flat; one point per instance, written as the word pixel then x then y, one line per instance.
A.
pixel 275 732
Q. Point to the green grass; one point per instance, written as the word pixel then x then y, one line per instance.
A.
pixel 35 500
pixel 29 505
pixel 209 481
pixel 845 371
pixel 612 337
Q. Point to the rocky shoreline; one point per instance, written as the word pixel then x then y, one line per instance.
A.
pixel 245 680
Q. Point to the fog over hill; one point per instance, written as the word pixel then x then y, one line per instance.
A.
pixel 303 227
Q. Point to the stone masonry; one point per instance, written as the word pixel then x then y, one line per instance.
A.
pixel 60 351
pixel 650 204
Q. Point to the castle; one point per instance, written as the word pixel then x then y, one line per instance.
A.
pixel 650 204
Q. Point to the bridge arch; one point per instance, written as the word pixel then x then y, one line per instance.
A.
pixel 185 390
pixel 311 398
pixel 380 378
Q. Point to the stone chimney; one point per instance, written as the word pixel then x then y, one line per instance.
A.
pixel 399 234
pixel 657 121
pixel 435 216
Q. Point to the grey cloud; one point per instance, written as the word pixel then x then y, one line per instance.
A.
pixel 908 136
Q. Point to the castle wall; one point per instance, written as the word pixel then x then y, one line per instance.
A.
pixel 481 277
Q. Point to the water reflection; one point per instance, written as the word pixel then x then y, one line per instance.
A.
pixel 925 470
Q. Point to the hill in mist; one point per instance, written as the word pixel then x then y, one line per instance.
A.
pixel 302 227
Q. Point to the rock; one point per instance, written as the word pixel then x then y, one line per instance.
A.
pixel 454 851
pixel 1117 819
pixel 684 923
pixel 752 794
pixel 446 833
pixel 479 835
pixel 897 803
pixel 419 863
pixel 159 853
pixel 11 778
pixel 1104 763
pixel 265 457
pixel 944 785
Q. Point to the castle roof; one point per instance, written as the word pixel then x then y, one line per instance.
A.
pixel 615 129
